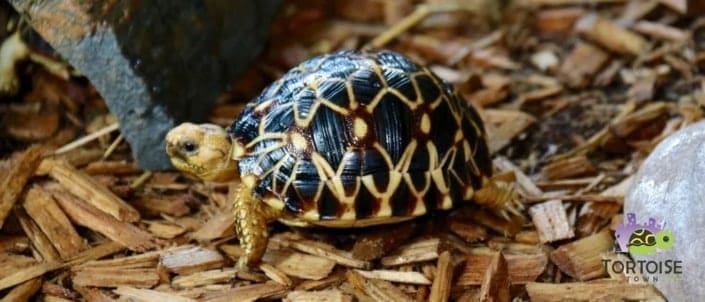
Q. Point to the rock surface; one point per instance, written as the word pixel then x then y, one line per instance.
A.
pixel 670 186
pixel 157 63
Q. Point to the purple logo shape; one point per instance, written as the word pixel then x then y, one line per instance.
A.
pixel 626 229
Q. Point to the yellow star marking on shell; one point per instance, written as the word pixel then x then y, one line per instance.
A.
pixel 469 192
pixel 264 106
pixel 425 123
pixel 249 180
pixel 274 202
pixel 238 150
pixel 447 202
pixel 467 150
pixel 458 135
pixel 299 141
pixel 359 128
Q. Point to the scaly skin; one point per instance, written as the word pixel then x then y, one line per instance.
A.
pixel 252 218
pixel 205 151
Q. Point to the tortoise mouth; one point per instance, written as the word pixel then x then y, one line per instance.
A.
pixel 182 164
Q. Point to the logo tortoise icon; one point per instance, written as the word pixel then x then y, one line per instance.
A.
pixel 642 239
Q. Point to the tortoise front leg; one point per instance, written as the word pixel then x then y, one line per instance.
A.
pixel 252 217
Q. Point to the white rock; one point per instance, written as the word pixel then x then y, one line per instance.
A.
pixel 670 187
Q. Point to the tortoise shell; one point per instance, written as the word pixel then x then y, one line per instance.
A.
pixel 356 135
pixel 642 237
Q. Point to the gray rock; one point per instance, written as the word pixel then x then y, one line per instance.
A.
pixel 157 63
pixel 670 186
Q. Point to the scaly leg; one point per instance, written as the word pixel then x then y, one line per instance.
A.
pixel 252 217
pixel 498 196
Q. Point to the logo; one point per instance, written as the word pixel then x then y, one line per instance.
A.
pixel 642 239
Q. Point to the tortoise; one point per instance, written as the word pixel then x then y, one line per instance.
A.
pixel 347 139
pixel 644 241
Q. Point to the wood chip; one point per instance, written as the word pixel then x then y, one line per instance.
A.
pixel 581 65
pixel 541 93
pixel 375 244
pixel 248 293
pixel 219 226
pixel 504 125
pixel 158 204
pixel 470 232
pixel 333 279
pixel 660 31
pixel 551 221
pixel 91 217
pixel 300 265
pixel 496 223
pixel 87 139
pixel 112 277
pixel 611 36
pixel 147 295
pixel 487 96
pixel 324 250
pixel 557 20
pixel 571 167
pixel 192 260
pixel 600 290
pixel 378 290
pixel 330 295
pixel 166 230
pixel 275 274
pixel 634 121
pixel 37 270
pixel 680 6
pixel 93 294
pixel 522 268
pixel 528 237
pixel 526 186
pixel 40 205
pixel 564 2
pixel 582 259
pixel 204 278
pixel 13 183
pixel 14 244
pixel 111 167
pixel 145 260
pixel 419 251
pixel 440 290
pixel 396 276
pixel 495 285
pixel 91 191
pixel 39 240
pixel 24 291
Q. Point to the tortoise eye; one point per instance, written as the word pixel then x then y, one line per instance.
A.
pixel 189 147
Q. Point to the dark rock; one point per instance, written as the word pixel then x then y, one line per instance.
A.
pixel 157 63
pixel 670 187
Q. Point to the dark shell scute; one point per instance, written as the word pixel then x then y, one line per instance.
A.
pixel 444 127
pixel 365 84
pixel 394 60
pixel 374 162
pixel 394 125
pixel 402 202
pixel 329 135
pixel 401 82
pixel 428 88
pixel 334 91
pixel 328 205
pixel 279 119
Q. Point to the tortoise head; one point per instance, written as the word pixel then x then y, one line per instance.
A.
pixel 202 150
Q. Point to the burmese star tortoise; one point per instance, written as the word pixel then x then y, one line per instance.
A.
pixel 348 139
